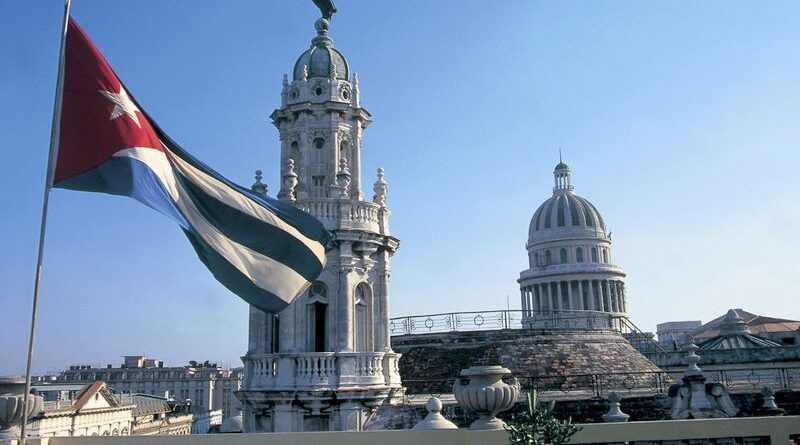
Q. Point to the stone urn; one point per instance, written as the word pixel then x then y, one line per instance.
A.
pixel 487 390
pixel 11 394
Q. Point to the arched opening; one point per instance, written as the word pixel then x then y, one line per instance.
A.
pixel 594 254
pixel 579 255
pixel 362 320
pixel 563 256
pixel 317 317
pixel 536 258
pixel 605 255
pixel 548 258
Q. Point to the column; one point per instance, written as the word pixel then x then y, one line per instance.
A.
pixel 570 303
pixel 592 306
pixel 560 298
pixel 345 311
pixel 600 296
pixel 624 297
pixel 580 295
pixel 550 296
pixel 606 296
pixel 524 296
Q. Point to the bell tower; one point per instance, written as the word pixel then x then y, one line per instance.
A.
pixel 325 362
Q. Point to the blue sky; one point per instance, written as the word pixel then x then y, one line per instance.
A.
pixel 679 120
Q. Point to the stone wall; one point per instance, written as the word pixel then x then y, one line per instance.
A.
pixel 430 362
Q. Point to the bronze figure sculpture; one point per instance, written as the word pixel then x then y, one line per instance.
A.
pixel 326 7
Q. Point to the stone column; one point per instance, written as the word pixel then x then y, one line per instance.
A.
pixel 570 303
pixel 550 297
pixel 283 417
pixel 539 297
pixel 624 297
pixel 607 296
pixel 580 295
pixel 524 297
pixel 592 306
pixel 345 310
pixel 560 297
pixel 601 296
pixel 382 334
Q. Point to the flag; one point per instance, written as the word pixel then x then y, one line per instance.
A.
pixel 265 251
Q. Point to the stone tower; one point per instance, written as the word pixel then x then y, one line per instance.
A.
pixel 326 361
pixel 571 282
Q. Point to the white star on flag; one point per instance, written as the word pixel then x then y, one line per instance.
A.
pixel 122 105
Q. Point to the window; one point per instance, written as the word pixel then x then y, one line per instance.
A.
pixel 536 258
pixel 319 142
pixel 548 258
pixel 362 297
pixel 594 254
pixel 605 255
pixel 579 254
pixel 295 145
pixel 563 256
pixel 316 315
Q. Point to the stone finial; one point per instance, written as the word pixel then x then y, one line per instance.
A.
pixel 289 182
pixel 343 177
pixel 355 81
pixel 305 73
pixel 434 420
pixel 258 186
pixel 733 324
pixel 285 80
pixel 380 188
pixel 691 360
pixel 769 407
pixel 614 414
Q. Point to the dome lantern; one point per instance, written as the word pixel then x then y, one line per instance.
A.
pixel 322 59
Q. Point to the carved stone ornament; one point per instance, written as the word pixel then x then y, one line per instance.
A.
pixel 435 420
pixel 343 178
pixel 487 390
pixel 614 414
pixel 694 399
pixel 11 397
pixel 289 182
pixel 258 186
pixel 380 188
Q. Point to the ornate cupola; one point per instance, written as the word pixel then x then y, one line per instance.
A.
pixel 326 361
pixel 571 281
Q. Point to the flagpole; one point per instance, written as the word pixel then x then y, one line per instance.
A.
pixel 55 131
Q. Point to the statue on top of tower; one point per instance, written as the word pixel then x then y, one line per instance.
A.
pixel 326 7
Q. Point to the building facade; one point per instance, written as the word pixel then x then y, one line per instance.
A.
pixel 571 281
pixel 326 361
pixel 94 411
pixel 206 385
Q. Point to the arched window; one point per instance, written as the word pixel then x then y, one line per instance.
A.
pixel 548 258
pixel 317 317
pixel 362 301
pixel 536 258
pixel 605 255
pixel 594 254
pixel 579 254
pixel 563 256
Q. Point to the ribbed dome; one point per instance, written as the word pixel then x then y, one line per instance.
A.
pixel 322 57
pixel 565 214
pixel 566 211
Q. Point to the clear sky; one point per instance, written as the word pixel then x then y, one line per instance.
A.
pixel 679 121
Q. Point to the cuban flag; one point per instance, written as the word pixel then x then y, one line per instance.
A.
pixel 265 251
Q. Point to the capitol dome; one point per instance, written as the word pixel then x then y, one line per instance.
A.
pixel 321 58
pixel 570 273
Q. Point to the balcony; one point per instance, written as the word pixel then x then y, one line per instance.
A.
pixel 320 370
pixel 347 214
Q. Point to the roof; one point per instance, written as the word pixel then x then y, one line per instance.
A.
pixel 735 334
pixel 148 405
pixel 756 324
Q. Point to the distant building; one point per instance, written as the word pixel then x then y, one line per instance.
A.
pixel 206 385
pixel 94 411
pixel 783 331
pixel 671 334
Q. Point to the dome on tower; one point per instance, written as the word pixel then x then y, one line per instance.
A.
pixel 565 214
pixel 322 58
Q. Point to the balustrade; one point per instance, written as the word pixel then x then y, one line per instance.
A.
pixel 320 370
pixel 344 213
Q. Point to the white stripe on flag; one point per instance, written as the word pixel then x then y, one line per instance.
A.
pixel 231 197
pixel 263 271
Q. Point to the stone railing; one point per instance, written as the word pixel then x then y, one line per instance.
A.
pixel 320 370
pixel 347 214
pixel 517 319
pixel 754 430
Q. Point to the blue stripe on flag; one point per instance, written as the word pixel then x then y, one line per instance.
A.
pixel 126 176
pixel 230 277
pixel 254 233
